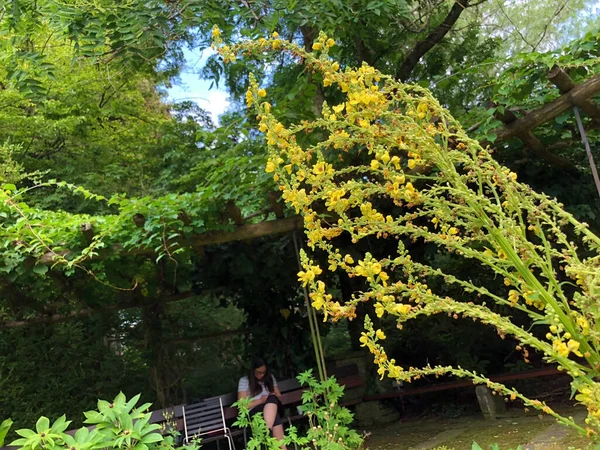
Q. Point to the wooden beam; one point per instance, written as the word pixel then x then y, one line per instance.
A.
pixel 550 110
pixel 534 144
pixel 250 231
pixel 219 334
pixel 565 84
pixel 85 312
pixel 243 232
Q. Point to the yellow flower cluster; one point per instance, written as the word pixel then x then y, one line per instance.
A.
pixel 387 162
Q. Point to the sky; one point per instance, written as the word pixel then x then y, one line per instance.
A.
pixel 192 87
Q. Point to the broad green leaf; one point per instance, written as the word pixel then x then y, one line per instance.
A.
pixel 4 427
pixel 42 425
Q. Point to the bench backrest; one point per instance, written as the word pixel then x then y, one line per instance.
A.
pixel 205 417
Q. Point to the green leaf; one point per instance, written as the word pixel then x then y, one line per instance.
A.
pixel 43 424
pixel 40 269
pixel 152 437
pixel 476 446
pixel 60 424
pixel 25 432
pixel 9 187
pixel 4 427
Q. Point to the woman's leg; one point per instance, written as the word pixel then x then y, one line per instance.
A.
pixel 270 415
pixel 278 433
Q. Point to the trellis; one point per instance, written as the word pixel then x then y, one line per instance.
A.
pixel 573 96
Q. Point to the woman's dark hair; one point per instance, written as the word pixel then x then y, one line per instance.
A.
pixel 254 385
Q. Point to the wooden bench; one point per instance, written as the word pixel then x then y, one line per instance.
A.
pixel 291 391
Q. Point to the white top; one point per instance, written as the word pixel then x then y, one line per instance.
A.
pixel 244 386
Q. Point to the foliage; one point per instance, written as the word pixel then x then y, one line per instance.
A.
pixel 4 427
pixel 427 181
pixel 117 424
pixel 523 84
pixel 31 361
pixel 328 421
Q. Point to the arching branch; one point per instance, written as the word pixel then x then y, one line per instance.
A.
pixel 432 39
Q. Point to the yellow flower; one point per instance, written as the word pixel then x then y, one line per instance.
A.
pixel 380 334
pixel 402 309
pixel 339 108
pixel 453 230
pixel 394 371
pixel 270 167
pixel 513 297
pixel 275 34
pixel 262 93
pixel 317 46
pixel 412 163
pixel 330 42
pixel 364 339
pixel 216 32
pixel 385 158
pixel 379 309
pixel 573 346
pixel 374 164
pixel 335 66
pixel 376 268
pixel 560 347
pixel 319 168
pixel 583 323
pixel 512 176
pixel 263 127
pixel 384 277
pixel 348 259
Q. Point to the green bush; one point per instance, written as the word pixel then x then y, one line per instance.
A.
pixel 116 424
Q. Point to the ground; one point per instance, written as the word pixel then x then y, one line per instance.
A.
pixel 517 427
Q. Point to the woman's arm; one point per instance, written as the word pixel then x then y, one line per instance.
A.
pixel 253 403
pixel 277 392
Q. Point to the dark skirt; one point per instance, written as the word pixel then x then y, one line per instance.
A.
pixel 272 398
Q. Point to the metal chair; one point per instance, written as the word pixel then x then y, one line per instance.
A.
pixel 206 420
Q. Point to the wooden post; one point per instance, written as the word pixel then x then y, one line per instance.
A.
pixel 565 84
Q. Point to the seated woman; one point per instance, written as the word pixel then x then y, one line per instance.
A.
pixel 261 388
